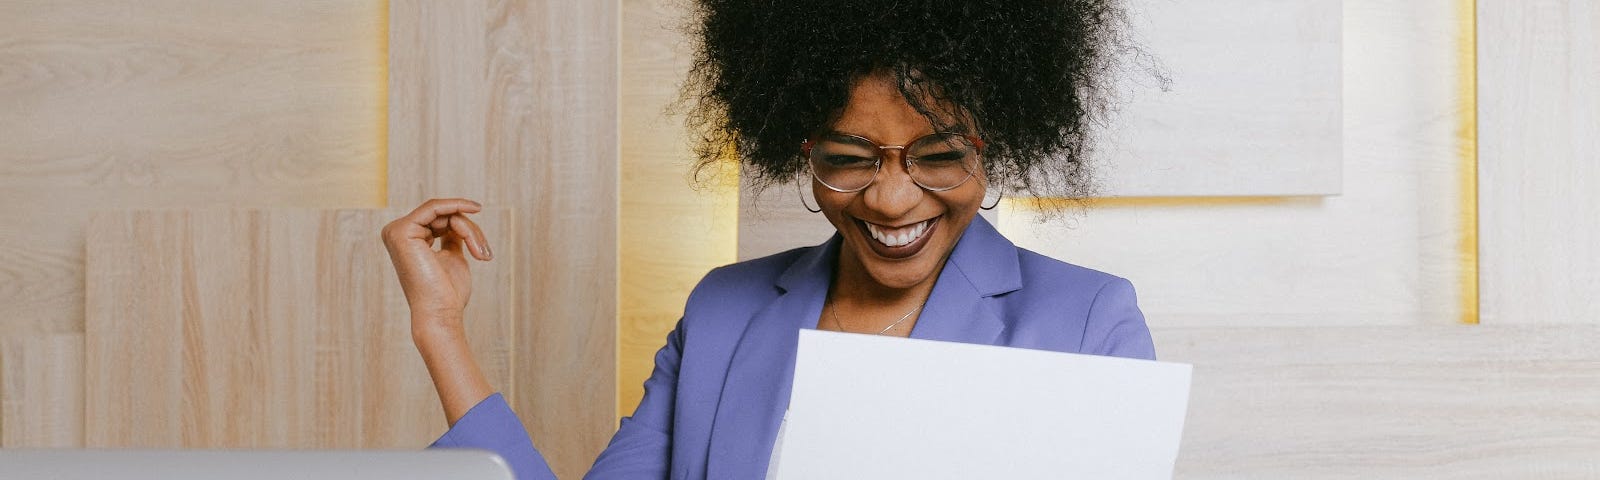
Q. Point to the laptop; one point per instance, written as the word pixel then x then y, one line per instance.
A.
pixel 65 464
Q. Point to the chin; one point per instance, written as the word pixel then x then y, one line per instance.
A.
pixel 902 273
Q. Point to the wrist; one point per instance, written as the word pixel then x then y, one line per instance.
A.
pixel 434 330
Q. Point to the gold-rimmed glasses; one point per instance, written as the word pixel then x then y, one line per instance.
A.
pixel 936 162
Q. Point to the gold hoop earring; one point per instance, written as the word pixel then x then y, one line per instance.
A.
pixel 996 203
pixel 802 194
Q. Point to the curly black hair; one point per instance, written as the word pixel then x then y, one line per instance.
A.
pixel 1032 75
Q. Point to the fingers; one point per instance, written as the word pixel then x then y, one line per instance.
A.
pixel 468 231
pixel 445 220
pixel 428 221
pixel 438 209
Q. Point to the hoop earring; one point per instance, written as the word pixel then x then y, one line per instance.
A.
pixel 802 194
pixel 996 203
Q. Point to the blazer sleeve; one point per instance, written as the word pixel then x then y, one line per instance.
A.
pixel 1116 326
pixel 491 425
pixel 641 448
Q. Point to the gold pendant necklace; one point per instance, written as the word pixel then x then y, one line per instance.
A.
pixel 834 312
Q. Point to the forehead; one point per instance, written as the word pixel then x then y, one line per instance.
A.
pixel 877 110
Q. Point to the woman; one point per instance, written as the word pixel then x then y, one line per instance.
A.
pixel 905 119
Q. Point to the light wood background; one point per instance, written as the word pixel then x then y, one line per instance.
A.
pixel 41 391
pixel 514 103
pixel 198 105
pixel 268 329
pixel 170 104
pixel 161 104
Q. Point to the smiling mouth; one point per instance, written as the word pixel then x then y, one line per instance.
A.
pixel 898 237
pixel 899 242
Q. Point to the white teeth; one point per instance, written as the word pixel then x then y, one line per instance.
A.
pixel 899 237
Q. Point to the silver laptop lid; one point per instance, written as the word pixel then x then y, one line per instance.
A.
pixel 63 464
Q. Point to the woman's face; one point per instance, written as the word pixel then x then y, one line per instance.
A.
pixel 893 208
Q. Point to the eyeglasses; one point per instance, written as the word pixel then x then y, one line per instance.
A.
pixel 849 163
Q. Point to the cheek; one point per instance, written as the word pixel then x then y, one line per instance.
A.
pixel 965 199
pixel 832 203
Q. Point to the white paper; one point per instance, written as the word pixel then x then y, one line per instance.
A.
pixel 867 406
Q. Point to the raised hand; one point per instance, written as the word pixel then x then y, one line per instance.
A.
pixel 437 282
pixel 437 285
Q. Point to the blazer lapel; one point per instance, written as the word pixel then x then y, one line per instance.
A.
pixel 983 264
pixel 755 393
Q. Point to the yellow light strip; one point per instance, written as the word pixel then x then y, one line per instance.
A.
pixel 1467 150
pixel 1045 204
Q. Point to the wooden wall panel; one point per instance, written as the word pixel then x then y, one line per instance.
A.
pixel 276 328
pixel 673 230
pixel 174 103
pixel 514 103
pixel 41 391
pixel 1539 111
pixel 1461 402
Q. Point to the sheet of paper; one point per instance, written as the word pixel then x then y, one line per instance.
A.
pixel 866 406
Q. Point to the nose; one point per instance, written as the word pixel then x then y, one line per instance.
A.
pixel 893 194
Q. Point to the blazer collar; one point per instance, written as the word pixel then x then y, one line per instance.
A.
pixel 983 264
pixel 755 393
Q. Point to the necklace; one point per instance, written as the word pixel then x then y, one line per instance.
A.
pixel 834 312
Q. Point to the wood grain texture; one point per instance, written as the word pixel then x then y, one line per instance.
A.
pixel 267 328
pixel 672 231
pixel 514 103
pixel 1385 252
pixel 1539 160
pixel 41 273
pixel 41 391
pixel 173 103
pixel 1460 402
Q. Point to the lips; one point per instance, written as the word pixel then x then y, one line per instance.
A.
pixel 898 242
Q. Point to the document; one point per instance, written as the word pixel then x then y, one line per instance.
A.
pixel 868 406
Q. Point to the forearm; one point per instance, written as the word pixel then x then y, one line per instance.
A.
pixel 456 374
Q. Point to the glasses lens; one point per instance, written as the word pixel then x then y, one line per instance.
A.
pixel 942 161
pixel 844 163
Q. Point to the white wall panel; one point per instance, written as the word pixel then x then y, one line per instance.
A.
pixel 1253 106
pixel 1386 251
pixel 1539 147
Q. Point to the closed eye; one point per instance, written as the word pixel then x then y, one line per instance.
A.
pixel 945 158
pixel 848 161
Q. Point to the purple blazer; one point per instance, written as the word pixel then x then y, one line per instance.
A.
pixel 713 406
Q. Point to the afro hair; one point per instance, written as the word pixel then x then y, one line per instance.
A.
pixel 1031 75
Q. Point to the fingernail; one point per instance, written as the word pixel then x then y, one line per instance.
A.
pixel 486 251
